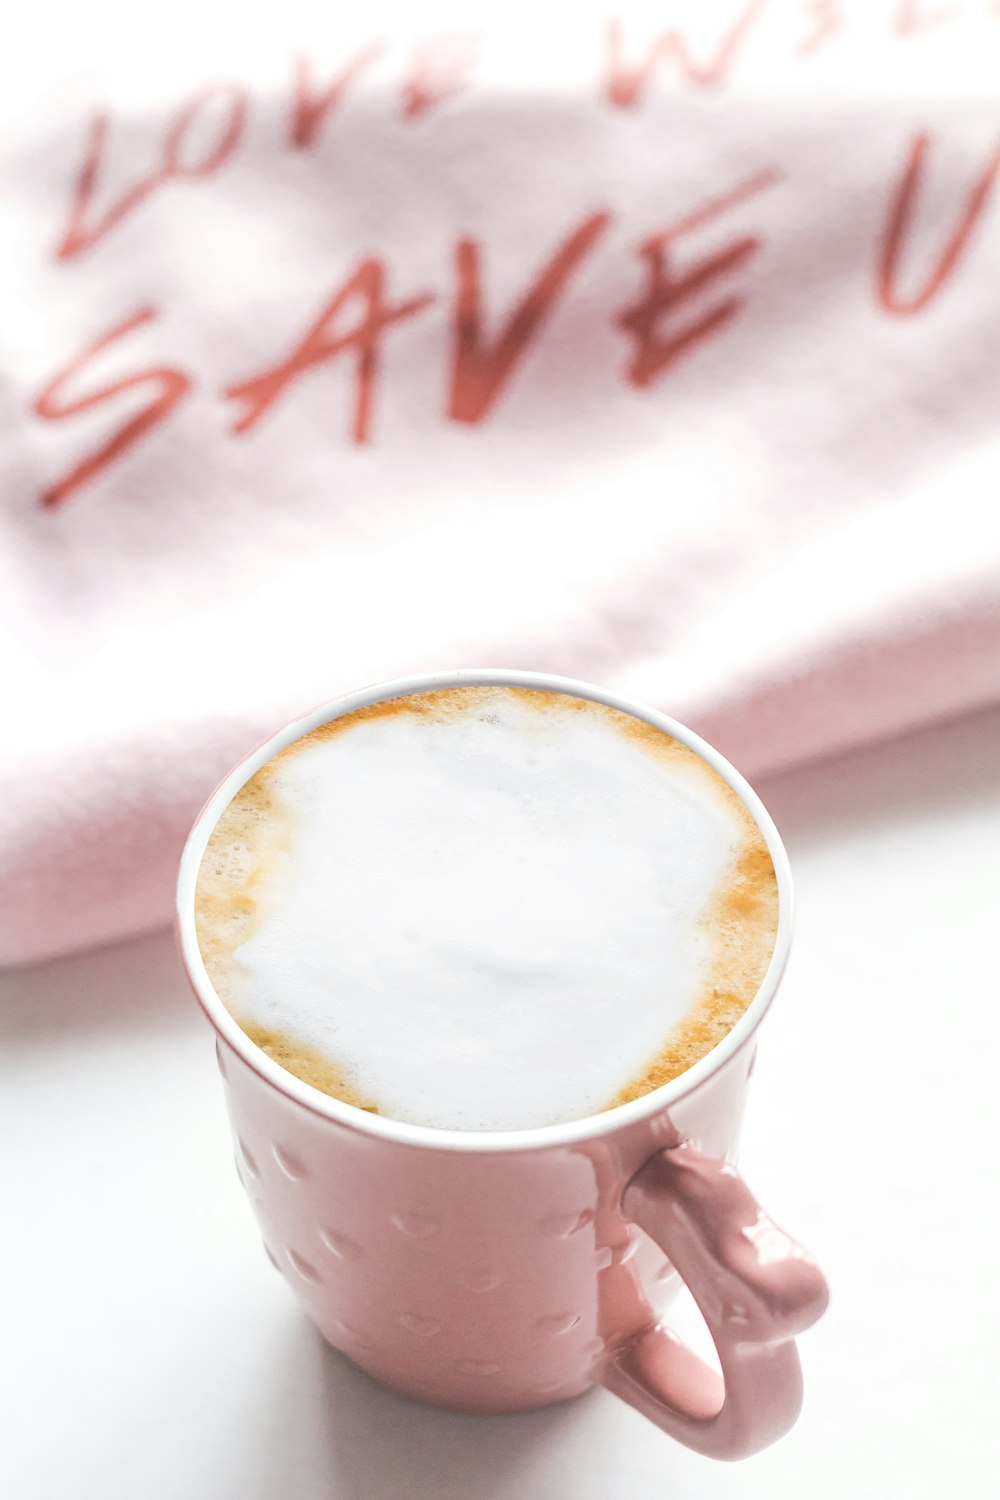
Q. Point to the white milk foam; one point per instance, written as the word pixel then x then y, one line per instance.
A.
pixel 486 919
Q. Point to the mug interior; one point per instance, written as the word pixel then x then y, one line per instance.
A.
pixel 540 1137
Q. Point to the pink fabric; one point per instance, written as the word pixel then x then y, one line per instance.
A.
pixel 660 352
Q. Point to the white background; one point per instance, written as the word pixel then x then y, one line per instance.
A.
pixel 150 1350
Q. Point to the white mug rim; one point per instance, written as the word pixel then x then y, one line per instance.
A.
pixel 402 1133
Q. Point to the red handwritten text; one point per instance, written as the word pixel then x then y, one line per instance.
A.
pixel 899 224
pixel 310 106
pixel 82 235
pixel 914 15
pixel 356 318
pixel 828 19
pixel 318 345
pixel 667 289
pixel 479 373
pixel 627 82
pixel 439 71
pixel 170 387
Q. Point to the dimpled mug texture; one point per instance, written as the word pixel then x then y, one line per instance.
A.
pixel 489 1282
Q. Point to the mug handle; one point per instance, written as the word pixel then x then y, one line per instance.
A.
pixel 756 1289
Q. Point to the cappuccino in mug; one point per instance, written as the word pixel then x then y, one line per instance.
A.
pixel 486 908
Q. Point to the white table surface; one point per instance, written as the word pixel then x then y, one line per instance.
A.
pixel 150 1351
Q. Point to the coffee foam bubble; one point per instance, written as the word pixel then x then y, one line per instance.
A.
pixel 486 908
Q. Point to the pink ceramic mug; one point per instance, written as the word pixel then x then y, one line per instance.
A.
pixel 498 1271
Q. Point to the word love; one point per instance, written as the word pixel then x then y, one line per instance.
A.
pixel 634 64
pixel 204 133
pixel 354 323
